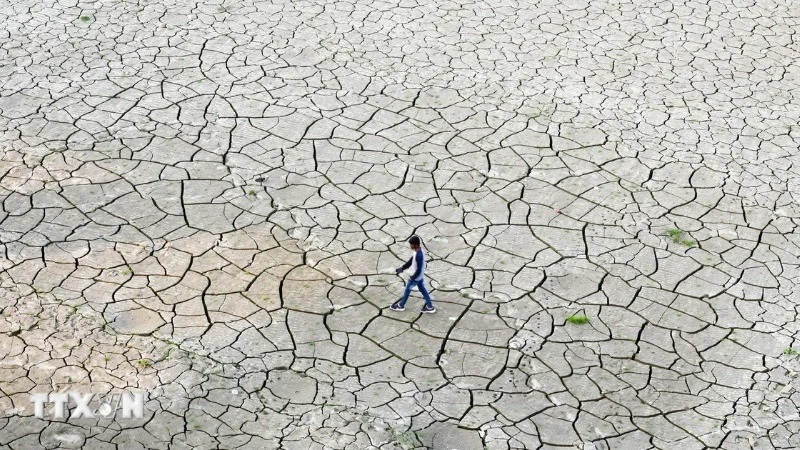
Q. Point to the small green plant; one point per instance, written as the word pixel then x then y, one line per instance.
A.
pixel 790 351
pixel 85 18
pixel 677 237
pixel 106 359
pixel 576 319
pixel 251 192
pixel 405 441
pixel 126 271
pixel 675 234
pixel 144 363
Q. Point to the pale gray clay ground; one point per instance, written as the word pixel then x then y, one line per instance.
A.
pixel 206 201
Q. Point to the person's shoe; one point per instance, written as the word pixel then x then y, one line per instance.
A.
pixel 430 310
pixel 396 306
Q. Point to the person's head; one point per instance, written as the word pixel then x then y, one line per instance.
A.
pixel 414 242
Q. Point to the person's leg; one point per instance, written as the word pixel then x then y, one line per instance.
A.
pixel 406 293
pixel 424 292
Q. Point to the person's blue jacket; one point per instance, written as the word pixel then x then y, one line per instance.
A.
pixel 417 263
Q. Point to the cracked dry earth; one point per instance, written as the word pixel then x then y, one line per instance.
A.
pixel 205 201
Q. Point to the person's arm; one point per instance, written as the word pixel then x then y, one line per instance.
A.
pixel 419 265
pixel 405 266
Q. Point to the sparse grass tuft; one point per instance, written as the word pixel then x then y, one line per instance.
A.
pixel 85 18
pixel 790 351
pixel 576 319
pixel 144 363
pixel 677 237
pixel 405 440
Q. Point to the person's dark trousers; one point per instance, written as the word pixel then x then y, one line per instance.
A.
pixel 420 284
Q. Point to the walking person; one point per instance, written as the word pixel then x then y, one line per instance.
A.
pixel 417 265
